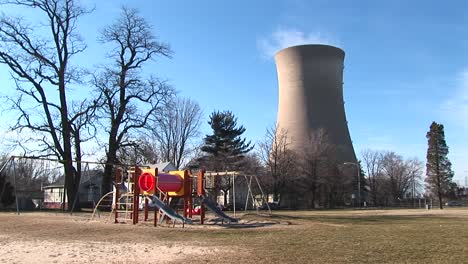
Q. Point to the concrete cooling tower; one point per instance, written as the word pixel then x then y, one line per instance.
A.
pixel 310 79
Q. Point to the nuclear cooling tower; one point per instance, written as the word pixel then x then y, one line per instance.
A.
pixel 310 79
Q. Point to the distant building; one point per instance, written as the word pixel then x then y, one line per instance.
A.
pixel 53 195
pixel 89 191
pixel 310 80
pixel 28 199
pixel 90 188
pixel 164 166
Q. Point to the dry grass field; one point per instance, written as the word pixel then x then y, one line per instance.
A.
pixel 341 236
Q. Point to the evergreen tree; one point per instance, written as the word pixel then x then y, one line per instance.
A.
pixel 225 148
pixel 439 172
pixel 225 145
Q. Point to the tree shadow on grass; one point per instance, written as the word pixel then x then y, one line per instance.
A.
pixel 245 223
pixel 363 219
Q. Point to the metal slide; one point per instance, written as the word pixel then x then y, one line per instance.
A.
pixel 212 206
pixel 156 202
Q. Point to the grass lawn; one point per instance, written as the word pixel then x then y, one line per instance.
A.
pixel 339 236
pixel 394 236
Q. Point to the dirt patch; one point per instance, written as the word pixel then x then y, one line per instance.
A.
pixel 53 251
pixel 339 236
pixel 56 238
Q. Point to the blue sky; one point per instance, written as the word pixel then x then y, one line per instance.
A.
pixel 406 62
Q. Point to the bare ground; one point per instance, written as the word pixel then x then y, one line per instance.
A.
pixel 351 236
pixel 60 238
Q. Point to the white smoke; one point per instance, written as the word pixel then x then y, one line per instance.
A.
pixel 283 38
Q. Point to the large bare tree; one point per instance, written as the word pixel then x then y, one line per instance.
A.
pixel 128 99
pixel 394 168
pixel 279 160
pixel 391 177
pixel 317 163
pixel 174 127
pixel 414 168
pixel 145 150
pixel 40 65
pixel 373 165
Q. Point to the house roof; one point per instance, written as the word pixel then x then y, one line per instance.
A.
pixel 91 177
pixel 57 184
pixel 87 177
pixel 164 166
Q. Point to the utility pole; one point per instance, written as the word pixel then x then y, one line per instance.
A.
pixel 414 190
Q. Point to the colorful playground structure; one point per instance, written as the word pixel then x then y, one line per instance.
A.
pixel 147 189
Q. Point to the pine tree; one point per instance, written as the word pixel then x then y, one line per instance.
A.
pixel 439 172
pixel 225 148
pixel 225 144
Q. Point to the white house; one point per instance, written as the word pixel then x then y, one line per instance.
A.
pixel 53 196
pixel 163 167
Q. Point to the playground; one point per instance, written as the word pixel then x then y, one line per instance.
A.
pixel 341 236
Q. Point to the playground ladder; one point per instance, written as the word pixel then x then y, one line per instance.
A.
pixel 124 207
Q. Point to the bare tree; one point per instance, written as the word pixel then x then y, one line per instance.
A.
pixel 391 177
pixel 42 70
pixel 317 160
pixel 336 186
pixel 414 169
pixel 143 151
pixel 279 161
pixel 252 164
pixel 174 127
pixel 373 165
pixel 83 129
pixel 399 178
pixel 396 172
pixel 128 99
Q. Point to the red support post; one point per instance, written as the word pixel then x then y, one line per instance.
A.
pixel 201 193
pixel 132 190
pixel 200 190
pixel 155 193
pixel 187 193
pixel 190 196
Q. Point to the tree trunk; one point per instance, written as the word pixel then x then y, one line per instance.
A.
pixel 113 147
pixel 70 171
pixel 314 197
pixel 275 192
pixel 111 161
pixel 441 206
pixel 69 183
pixel 108 175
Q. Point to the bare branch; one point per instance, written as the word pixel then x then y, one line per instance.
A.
pixel 127 100
pixel 43 63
